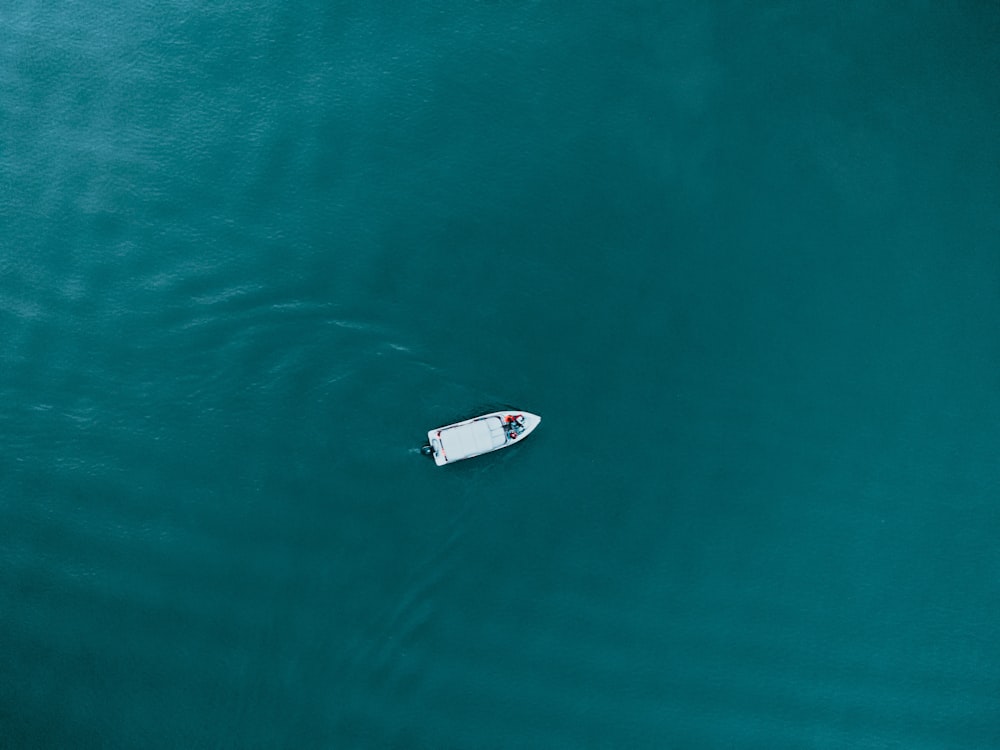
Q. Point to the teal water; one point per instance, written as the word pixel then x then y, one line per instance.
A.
pixel 744 259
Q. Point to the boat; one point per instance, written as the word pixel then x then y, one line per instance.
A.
pixel 479 435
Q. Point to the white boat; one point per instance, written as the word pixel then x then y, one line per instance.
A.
pixel 483 434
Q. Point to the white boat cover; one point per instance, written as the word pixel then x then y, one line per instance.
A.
pixel 480 436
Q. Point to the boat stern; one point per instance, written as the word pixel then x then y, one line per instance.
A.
pixel 437 447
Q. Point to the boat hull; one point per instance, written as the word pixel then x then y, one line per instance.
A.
pixel 478 435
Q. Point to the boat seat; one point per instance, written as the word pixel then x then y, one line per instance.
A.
pixel 498 434
pixel 474 438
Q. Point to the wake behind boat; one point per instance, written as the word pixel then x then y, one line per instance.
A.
pixel 483 434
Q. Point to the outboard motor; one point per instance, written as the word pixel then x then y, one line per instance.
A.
pixel 426 451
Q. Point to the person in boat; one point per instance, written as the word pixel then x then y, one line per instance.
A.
pixel 515 425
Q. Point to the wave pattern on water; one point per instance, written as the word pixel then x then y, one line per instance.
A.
pixel 251 253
